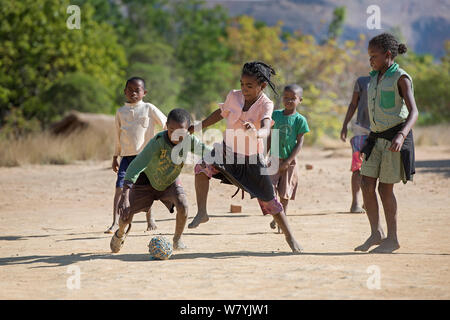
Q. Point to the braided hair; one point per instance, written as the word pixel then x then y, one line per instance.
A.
pixel 261 71
pixel 387 41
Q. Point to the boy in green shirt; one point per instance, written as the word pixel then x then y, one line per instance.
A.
pixel 292 126
pixel 153 175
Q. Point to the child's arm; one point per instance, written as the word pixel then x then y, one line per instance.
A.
pixel 141 161
pixel 159 117
pixel 264 132
pixel 209 121
pixel 133 171
pixel 115 163
pixel 350 112
pixel 269 143
pixel 406 92
pixel 198 147
pixel 294 152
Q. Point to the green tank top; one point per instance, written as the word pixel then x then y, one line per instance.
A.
pixel 386 107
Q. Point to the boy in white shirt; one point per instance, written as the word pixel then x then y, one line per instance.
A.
pixel 135 127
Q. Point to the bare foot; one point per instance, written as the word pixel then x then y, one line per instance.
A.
pixel 373 240
pixel 386 246
pixel 111 230
pixel 199 218
pixel 294 245
pixel 178 245
pixel 355 208
pixel 151 225
pixel 273 224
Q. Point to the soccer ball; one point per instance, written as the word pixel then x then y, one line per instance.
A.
pixel 160 248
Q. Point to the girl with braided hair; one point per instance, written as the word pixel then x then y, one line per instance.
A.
pixel 238 160
pixel 389 149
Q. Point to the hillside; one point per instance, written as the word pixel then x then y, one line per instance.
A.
pixel 424 24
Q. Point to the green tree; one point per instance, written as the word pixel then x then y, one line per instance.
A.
pixel 176 46
pixel 318 68
pixel 202 54
pixel 155 63
pixel 38 50
pixel 337 23
pixel 430 82
pixel 75 91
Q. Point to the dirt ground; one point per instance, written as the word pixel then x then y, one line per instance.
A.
pixel 53 217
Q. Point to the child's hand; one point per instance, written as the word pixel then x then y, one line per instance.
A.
pixel 115 165
pixel 283 165
pixel 250 127
pixel 361 156
pixel 344 133
pixel 397 143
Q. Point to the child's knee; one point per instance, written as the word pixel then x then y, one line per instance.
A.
pixel 368 184
pixel 123 223
pixel 385 190
pixel 182 206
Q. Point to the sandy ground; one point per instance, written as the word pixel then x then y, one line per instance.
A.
pixel 53 217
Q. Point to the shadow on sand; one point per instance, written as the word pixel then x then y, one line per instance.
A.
pixel 434 166
pixel 65 260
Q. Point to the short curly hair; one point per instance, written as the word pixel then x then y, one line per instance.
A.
pixel 180 116
pixel 387 41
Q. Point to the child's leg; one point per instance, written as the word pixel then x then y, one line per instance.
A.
pixel 386 191
pixel 118 238
pixel 281 220
pixel 201 192
pixel 356 188
pixel 368 186
pixel 182 215
pixel 151 224
pixel 284 203
pixel 123 225
pixel 117 196
pixel 270 207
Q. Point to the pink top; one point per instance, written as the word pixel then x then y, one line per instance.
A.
pixel 236 136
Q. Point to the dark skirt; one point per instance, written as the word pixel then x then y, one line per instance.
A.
pixel 248 173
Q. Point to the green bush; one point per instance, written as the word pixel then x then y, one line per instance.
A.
pixel 76 91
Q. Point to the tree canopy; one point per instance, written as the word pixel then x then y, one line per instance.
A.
pixel 189 54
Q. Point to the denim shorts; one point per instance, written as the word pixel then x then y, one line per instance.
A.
pixel 124 163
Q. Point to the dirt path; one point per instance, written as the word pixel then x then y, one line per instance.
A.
pixel 53 218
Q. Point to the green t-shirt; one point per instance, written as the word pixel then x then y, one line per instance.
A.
pixel 157 162
pixel 289 127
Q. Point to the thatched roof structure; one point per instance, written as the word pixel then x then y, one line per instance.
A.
pixel 76 121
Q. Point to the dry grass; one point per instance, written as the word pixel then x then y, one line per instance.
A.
pixel 438 135
pixel 45 148
pixel 97 144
